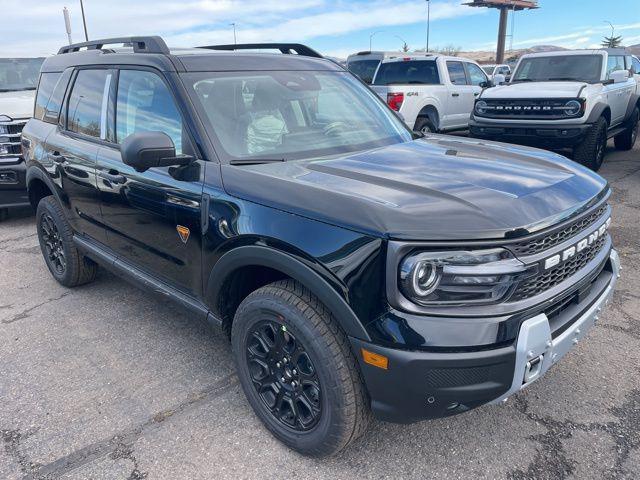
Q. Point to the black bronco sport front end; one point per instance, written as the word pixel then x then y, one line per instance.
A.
pixel 355 268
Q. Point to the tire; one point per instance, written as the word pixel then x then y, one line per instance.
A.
pixel 425 126
pixel 65 262
pixel 627 139
pixel 325 389
pixel 4 214
pixel 590 152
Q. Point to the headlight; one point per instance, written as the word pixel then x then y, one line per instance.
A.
pixel 460 277
pixel 481 107
pixel 572 108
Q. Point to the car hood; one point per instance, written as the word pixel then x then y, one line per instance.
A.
pixel 535 90
pixel 437 188
pixel 17 105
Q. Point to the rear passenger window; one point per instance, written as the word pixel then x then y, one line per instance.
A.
pixel 456 73
pixel 145 104
pixel 45 88
pixel 614 63
pixel 86 111
pixel 635 65
pixel 52 111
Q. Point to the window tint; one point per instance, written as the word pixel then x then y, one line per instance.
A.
pixel 86 109
pixel 615 62
pixel 456 73
pixel 365 69
pixel 145 104
pixel 45 88
pixel 476 74
pixel 52 111
pixel 418 72
pixel 635 65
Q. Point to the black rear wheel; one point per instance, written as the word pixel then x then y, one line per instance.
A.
pixel 627 139
pixel 297 370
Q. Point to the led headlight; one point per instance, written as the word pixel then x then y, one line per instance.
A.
pixel 572 108
pixel 460 277
pixel 481 107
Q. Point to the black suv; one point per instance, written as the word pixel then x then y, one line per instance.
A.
pixel 355 268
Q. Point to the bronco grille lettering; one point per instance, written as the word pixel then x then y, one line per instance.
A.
pixel 578 247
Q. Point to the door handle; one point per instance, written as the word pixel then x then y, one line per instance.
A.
pixel 113 176
pixel 455 94
pixel 55 157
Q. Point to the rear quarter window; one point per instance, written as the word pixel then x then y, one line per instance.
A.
pixel 52 110
pixel 45 89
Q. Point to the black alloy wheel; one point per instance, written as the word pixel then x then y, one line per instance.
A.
pixel 54 249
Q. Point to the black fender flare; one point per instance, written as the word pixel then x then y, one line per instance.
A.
pixel 254 255
pixel 634 102
pixel 426 112
pixel 35 173
pixel 596 112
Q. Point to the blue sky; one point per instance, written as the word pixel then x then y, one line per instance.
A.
pixel 334 27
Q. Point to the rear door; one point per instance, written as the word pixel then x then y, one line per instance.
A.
pixel 152 217
pixel 71 149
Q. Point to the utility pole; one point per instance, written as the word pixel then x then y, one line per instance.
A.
pixel 428 24
pixel 235 42
pixel 84 22
pixel 67 23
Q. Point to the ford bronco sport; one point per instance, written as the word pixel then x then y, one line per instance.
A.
pixel 569 99
pixel 355 269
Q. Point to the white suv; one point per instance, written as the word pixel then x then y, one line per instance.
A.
pixel 432 93
pixel 569 99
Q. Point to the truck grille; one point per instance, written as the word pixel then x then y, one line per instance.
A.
pixel 537 109
pixel 10 133
pixel 541 244
pixel 554 276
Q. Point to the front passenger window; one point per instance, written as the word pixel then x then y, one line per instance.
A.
pixel 145 104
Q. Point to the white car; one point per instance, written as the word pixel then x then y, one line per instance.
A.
pixel 493 69
pixel 365 64
pixel 569 99
pixel 432 93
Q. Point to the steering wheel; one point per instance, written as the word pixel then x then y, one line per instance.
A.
pixel 334 128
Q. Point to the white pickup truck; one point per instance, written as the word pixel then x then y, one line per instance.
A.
pixel 432 93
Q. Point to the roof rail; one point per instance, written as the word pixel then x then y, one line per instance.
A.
pixel 286 48
pixel 151 44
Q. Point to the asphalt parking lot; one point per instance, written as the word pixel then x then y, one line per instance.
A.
pixel 106 381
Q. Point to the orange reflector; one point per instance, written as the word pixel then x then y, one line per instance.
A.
pixel 375 359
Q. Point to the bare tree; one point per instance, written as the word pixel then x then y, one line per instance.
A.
pixel 450 49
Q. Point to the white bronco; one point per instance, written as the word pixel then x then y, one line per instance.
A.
pixel 570 99
pixel 433 93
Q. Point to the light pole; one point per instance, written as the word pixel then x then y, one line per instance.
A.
pixel 84 22
pixel 402 40
pixel 234 33
pixel 612 27
pixel 428 24
pixel 371 37
pixel 67 23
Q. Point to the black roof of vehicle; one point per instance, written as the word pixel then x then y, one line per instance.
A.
pixel 153 52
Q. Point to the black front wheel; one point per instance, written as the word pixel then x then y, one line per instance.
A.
pixel 590 152
pixel 297 370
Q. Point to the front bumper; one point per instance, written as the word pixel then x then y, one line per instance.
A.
pixel 419 385
pixel 534 134
pixel 13 187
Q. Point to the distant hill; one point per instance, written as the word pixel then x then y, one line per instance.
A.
pixel 635 49
pixel 489 56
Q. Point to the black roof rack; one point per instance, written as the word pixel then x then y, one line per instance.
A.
pixel 151 44
pixel 286 48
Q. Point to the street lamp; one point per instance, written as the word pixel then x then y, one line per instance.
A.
pixel 84 22
pixel 402 40
pixel 371 37
pixel 234 33
pixel 428 22
pixel 612 27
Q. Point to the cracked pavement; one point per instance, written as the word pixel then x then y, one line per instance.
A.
pixel 108 382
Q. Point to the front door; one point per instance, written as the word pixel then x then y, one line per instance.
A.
pixel 153 217
pixel 460 94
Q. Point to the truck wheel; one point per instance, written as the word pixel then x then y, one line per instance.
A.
pixel 627 139
pixel 297 370
pixel 590 152
pixel 424 125
pixel 65 262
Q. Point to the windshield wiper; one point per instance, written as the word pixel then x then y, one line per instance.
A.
pixel 255 161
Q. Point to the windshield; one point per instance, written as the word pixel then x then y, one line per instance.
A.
pixel 419 72
pixel 365 69
pixel 19 73
pixel 488 69
pixel 578 68
pixel 292 115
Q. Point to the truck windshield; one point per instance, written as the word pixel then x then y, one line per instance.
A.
pixel 365 69
pixel 417 72
pixel 291 115
pixel 577 68
pixel 19 73
pixel 488 69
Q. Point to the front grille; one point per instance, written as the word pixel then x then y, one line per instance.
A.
pixel 10 133
pixel 540 109
pixel 556 275
pixel 531 247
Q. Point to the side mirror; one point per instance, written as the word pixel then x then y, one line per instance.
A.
pixel 619 76
pixel 145 150
pixel 499 79
pixel 487 84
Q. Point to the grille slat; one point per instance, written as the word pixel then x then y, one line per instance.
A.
pixel 11 131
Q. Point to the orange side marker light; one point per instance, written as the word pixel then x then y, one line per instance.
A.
pixel 375 359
